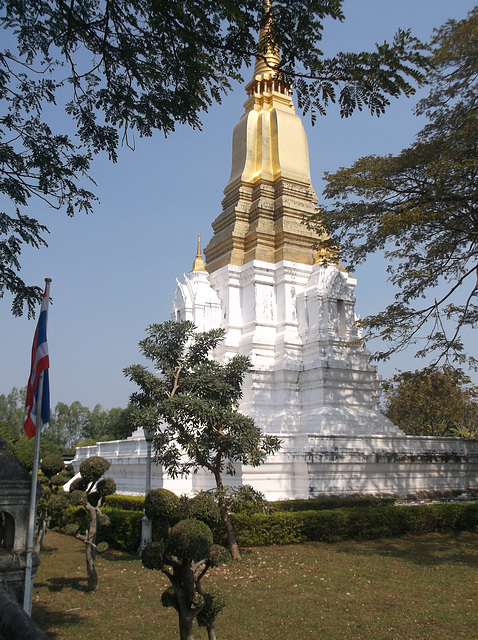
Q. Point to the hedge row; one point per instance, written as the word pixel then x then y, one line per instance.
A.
pixel 282 527
pixel 124 530
pixel 357 523
pixel 325 504
pixel 129 503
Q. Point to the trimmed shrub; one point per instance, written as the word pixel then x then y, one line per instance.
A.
pixel 354 523
pixel 152 555
pixel 161 504
pixel 51 465
pixel 321 504
pixel 93 468
pixel 124 530
pixel 57 507
pixel 106 487
pixel 128 503
pixel 203 507
pixel 190 540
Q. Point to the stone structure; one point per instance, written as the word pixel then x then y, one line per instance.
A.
pixel 286 302
pixel 15 489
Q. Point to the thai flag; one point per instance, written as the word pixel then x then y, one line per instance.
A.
pixel 40 363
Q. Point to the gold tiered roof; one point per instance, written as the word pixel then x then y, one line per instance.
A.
pixel 269 193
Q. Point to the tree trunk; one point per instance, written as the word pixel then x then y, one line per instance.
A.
pixel 211 634
pixel 186 627
pixel 91 549
pixel 40 534
pixel 230 532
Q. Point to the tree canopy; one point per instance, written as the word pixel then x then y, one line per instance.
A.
pixel 421 208
pixel 121 67
pixel 439 402
pixel 191 406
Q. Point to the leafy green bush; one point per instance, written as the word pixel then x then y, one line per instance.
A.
pixel 161 504
pixel 152 555
pixel 129 503
pixel 93 468
pixel 124 531
pixel 321 504
pixel 190 540
pixel 51 465
pixel 203 507
pixel 353 523
pixel 245 499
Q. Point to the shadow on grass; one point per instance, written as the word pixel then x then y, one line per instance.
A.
pixel 430 550
pixel 113 555
pixel 58 584
pixel 47 619
pixel 48 551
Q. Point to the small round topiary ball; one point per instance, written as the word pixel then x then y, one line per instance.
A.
pixel 160 503
pixel 152 555
pixel 52 464
pixel 106 487
pixel 93 468
pixel 190 540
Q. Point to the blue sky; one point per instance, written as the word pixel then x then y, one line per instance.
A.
pixel 114 271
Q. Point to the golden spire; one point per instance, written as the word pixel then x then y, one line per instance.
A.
pixel 269 60
pixel 198 264
pixel 267 78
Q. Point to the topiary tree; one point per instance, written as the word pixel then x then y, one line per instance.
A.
pixel 184 554
pixel 89 491
pixel 160 506
pixel 204 507
pixel 51 466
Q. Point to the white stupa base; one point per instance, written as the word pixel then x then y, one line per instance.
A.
pixel 317 466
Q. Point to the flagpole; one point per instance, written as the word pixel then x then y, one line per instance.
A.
pixel 28 590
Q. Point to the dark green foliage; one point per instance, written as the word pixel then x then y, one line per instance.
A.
pixel 57 507
pixel 190 540
pixel 170 599
pixel 245 499
pixel 79 484
pixel 152 555
pixel 106 487
pixel 77 497
pixel 320 504
pixel 213 605
pixel 420 208
pixel 161 504
pixel 58 480
pixel 219 555
pixel 440 402
pixel 124 531
pixel 51 465
pixel 353 523
pixel 22 449
pixel 203 506
pixel 92 469
pixel 127 503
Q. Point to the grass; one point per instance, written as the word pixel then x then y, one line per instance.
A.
pixel 409 588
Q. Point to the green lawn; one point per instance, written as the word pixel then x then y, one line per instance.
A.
pixel 410 588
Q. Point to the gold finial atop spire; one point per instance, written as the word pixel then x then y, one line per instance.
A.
pixel 269 59
pixel 198 264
